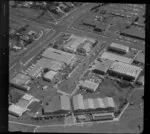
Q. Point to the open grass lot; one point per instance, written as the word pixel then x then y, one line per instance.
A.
pixel 32 14
pixel 22 128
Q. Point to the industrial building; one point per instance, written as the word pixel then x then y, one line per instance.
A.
pixel 115 57
pixel 21 106
pixel 97 105
pixel 101 66
pixel 58 105
pixel 89 85
pixel 140 80
pixel 140 58
pixel 20 81
pixel 118 48
pixel 126 71
pixel 50 76
pixel 35 69
pixel 59 55
pixel 134 32
pixel 73 43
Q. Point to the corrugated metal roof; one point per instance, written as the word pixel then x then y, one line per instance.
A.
pixel 58 55
pixel 78 102
pixel 108 102
pixel 127 69
pixel 119 46
pixel 89 104
pixel 115 57
pixel 101 103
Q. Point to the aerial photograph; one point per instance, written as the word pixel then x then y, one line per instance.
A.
pixel 76 67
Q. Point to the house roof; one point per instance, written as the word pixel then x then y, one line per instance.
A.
pixel 119 46
pixel 140 58
pixel 50 75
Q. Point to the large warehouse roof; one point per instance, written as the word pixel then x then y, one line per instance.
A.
pixel 58 103
pixel 98 103
pixel 119 46
pixel 126 69
pixel 103 65
pixel 109 102
pixel 89 104
pixel 115 57
pixel 78 102
pixel 58 55
pixel 20 79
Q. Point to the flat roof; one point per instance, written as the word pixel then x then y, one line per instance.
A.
pixel 50 75
pixel 16 109
pixel 23 103
pixel 126 69
pixel 78 103
pixel 103 65
pixel 20 79
pixel 115 57
pixel 119 46
pixel 58 55
pixel 140 58
pixel 27 97
pixel 90 85
pixel 74 42
pixel 134 31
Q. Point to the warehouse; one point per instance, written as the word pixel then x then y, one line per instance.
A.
pixel 16 110
pixel 58 105
pixel 89 85
pixel 121 49
pixel 43 63
pixel 134 32
pixel 73 43
pixel 58 55
pixel 115 57
pixel 97 105
pixel 20 81
pixel 126 71
pixel 101 67
pixel 140 58
pixel 50 76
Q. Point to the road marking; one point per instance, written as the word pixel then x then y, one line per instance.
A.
pixel 12 66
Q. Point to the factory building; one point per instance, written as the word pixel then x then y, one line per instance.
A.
pixel 101 66
pixel 58 105
pixel 115 57
pixel 20 81
pixel 134 32
pixel 19 108
pixel 59 55
pixel 36 69
pixel 50 76
pixel 89 85
pixel 99 106
pixel 126 71
pixel 121 49
pixel 73 43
